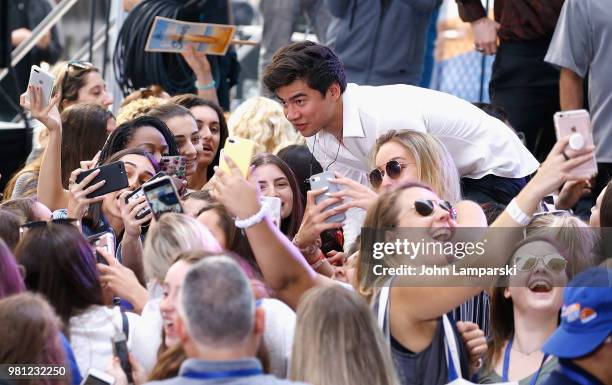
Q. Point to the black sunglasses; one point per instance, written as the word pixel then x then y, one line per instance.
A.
pixel 79 65
pixel 393 168
pixel 60 221
pixel 425 207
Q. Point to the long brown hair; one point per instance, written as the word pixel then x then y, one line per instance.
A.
pixel 83 135
pixel 290 225
pixel 29 332
pixel 70 81
pixel 502 311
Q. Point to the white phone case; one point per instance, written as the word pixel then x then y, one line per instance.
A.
pixel 38 77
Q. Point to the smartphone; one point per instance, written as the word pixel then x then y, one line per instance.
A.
pixel 174 166
pixel 162 196
pixel 105 241
pixel 134 195
pixel 272 205
pixel 97 377
pixel 43 79
pixel 240 151
pixel 120 350
pixel 113 173
pixel 321 180
pixel 577 125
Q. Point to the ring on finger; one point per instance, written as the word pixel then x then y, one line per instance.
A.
pixel 565 155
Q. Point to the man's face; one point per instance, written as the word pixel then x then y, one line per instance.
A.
pixel 306 108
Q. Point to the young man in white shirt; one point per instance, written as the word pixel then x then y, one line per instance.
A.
pixel 342 122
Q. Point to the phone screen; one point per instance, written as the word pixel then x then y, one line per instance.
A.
pixel 163 199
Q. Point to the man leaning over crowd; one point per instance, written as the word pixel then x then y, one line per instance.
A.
pixel 342 122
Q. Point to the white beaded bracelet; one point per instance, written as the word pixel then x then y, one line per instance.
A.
pixel 517 214
pixel 252 220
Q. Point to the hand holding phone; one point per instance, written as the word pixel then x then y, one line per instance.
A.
pixel 322 180
pixel 240 151
pixel 113 174
pixel 105 241
pixel 42 79
pixel 272 206
pixel 120 350
pixel 576 125
pixel 162 196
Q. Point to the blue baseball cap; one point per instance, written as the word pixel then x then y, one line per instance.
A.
pixel 586 318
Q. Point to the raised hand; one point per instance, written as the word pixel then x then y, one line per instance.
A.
pixel 361 196
pixel 78 203
pixel 313 221
pixel 48 115
pixel 238 195
pixel 129 211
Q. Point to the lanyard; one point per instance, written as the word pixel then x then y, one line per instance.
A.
pixel 575 376
pixel 452 372
pixel 506 366
pixel 221 374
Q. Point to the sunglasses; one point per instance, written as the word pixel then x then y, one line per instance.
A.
pixel 60 221
pixel 78 65
pixel 553 262
pixel 393 169
pixel 425 207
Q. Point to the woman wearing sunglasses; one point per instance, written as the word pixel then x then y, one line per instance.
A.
pixel 405 156
pixel 525 312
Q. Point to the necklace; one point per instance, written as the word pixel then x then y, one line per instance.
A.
pixel 513 347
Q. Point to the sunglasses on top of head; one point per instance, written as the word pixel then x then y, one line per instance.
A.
pixel 393 169
pixel 425 207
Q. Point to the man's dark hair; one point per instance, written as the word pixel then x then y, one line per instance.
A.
pixel 316 64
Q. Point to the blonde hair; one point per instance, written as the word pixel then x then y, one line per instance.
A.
pixel 172 235
pixel 137 108
pixel 576 237
pixel 263 121
pixel 434 164
pixel 337 341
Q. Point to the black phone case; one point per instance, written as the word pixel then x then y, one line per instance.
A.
pixel 114 174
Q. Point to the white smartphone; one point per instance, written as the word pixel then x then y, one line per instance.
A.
pixel 577 125
pixel 43 79
pixel 98 377
pixel 273 208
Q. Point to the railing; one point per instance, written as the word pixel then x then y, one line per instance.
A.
pixel 41 29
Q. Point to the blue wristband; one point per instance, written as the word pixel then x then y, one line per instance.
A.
pixel 209 86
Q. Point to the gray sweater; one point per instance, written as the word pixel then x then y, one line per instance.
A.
pixel 382 45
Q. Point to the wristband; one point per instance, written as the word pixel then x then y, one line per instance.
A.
pixel 319 262
pixel 517 214
pixel 204 87
pixel 309 250
pixel 252 220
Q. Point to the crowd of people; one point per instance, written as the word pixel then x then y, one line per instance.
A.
pixel 222 293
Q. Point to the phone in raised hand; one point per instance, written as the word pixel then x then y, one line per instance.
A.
pixel 42 79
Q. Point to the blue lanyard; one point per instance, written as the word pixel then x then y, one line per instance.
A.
pixel 452 371
pixel 575 376
pixel 222 374
pixel 506 366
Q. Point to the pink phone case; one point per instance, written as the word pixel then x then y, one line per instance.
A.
pixel 577 125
